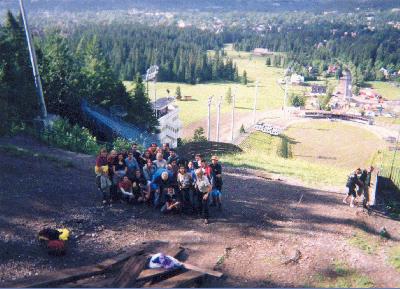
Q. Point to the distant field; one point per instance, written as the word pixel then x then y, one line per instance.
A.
pixel 270 94
pixel 386 89
pixel 192 111
pixel 322 152
pixel 334 143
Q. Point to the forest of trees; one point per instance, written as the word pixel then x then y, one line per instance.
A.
pixel 92 59
pixel 320 44
pixel 205 5
pixel 181 54
pixel 68 76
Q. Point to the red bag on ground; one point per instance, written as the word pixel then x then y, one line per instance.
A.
pixel 56 247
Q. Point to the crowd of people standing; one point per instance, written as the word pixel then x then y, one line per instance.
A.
pixel 161 179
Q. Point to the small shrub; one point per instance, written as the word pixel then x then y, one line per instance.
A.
pixel 198 135
pixel 75 138
pixel 121 144
pixel 242 130
pixel 297 100
pixel 178 93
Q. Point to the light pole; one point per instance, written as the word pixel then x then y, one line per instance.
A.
pixel 209 118
pixel 218 117
pixel 394 155
pixel 155 92
pixel 32 53
pixel 151 74
pixel 285 97
pixel 233 114
pixel 255 103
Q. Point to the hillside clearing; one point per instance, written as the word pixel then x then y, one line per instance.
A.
pixel 387 89
pixel 315 152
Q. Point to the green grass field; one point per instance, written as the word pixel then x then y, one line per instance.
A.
pixel 327 162
pixel 341 275
pixel 386 89
pixel 270 93
pixel 334 143
pixel 260 151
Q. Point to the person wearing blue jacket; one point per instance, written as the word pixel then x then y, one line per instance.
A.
pixel 162 179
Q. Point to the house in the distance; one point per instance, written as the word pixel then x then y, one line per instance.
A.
pixel 296 79
pixel 262 52
pixel 332 69
pixel 168 118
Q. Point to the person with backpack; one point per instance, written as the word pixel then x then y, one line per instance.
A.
pixel 367 185
pixel 352 182
pixel 216 171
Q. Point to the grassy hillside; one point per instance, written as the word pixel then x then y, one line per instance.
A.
pixel 387 89
pixel 317 153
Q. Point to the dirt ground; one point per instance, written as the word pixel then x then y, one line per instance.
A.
pixel 263 222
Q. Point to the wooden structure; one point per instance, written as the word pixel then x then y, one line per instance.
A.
pixel 125 270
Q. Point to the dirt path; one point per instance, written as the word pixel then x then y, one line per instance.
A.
pixel 261 224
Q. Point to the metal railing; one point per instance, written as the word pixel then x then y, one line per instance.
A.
pixel 118 126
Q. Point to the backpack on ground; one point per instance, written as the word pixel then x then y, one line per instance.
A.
pixel 350 180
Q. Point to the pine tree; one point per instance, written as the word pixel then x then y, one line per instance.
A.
pixel 228 96
pixel 18 99
pixel 178 93
pixel 61 79
pixel 244 78
pixel 140 111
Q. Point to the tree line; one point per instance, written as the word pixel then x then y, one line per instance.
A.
pixel 68 76
pixel 323 43
pixel 181 54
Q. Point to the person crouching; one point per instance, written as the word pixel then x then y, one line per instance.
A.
pixel 125 186
pixel 172 205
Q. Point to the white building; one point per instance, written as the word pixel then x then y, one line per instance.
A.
pixel 168 118
pixel 262 52
pixel 296 79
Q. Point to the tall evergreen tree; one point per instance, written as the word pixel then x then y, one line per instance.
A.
pixel 228 95
pixel 244 78
pixel 140 110
pixel 62 80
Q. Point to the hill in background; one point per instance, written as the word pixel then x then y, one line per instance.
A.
pixel 206 5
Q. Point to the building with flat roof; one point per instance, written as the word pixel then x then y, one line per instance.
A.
pixel 262 52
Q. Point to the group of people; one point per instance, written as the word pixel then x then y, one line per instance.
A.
pixel 160 178
pixel 359 183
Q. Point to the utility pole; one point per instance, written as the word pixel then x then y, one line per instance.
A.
pixel 233 114
pixel 218 117
pixel 209 119
pixel 32 53
pixel 394 156
pixel 155 93
pixel 285 97
pixel 255 103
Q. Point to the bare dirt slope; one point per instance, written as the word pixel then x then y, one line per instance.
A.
pixel 262 224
